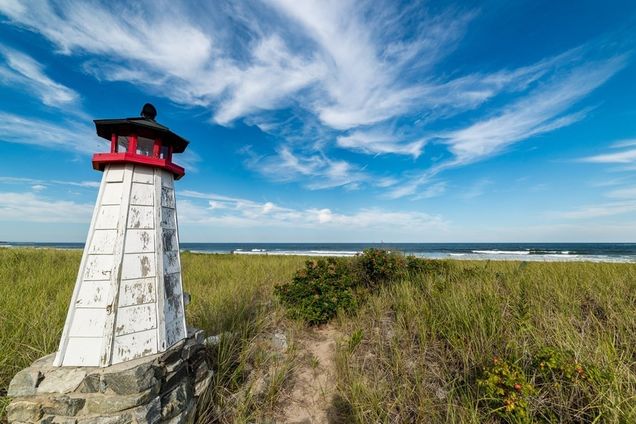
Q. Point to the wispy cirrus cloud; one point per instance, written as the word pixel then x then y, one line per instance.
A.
pixel 545 109
pixel 42 184
pixel 598 210
pixel 33 207
pixel 364 77
pixel 22 70
pixel 68 135
pixel 318 170
pixel 620 157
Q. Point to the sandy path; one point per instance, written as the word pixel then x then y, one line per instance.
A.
pixel 315 382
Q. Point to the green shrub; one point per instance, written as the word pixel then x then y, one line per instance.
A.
pixel 375 267
pixel 318 291
pixel 569 387
pixel 427 266
pixel 506 391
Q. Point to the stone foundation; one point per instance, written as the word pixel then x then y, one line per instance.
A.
pixel 162 388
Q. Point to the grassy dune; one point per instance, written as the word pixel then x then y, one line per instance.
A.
pixel 446 346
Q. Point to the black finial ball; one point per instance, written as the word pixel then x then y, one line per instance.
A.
pixel 149 111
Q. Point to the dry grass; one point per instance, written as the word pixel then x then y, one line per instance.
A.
pixel 412 353
pixel 421 344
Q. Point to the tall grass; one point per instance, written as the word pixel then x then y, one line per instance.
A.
pixel 415 350
pixel 231 295
pixel 425 342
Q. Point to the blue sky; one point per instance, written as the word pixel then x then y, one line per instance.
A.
pixel 331 120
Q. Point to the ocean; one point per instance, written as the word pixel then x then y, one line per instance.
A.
pixel 598 252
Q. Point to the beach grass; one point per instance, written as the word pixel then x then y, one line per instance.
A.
pixel 447 346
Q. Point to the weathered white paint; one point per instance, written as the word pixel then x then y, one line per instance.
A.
pixel 137 292
pixel 107 218
pixel 135 345
pixel 128 298
pixel 139 241
pixel 88 322
pixel 133 319
pixel 103 242
pixel 112 194
pixel 141 194
pixel 93 295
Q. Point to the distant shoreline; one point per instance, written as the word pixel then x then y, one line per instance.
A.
pixel 526 252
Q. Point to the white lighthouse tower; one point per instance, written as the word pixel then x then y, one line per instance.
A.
pixel 128 298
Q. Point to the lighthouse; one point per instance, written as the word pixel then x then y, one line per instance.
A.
pixel 128 299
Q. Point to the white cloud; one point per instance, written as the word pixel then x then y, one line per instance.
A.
pixel 39 184
pixel 363 75
pixel 69 135
pixel 625 156
pixel 378 142
pixel 600 210
pixel 538 113
pixel 319 171
pixel 244 213
pixel 623 193
pixel 24 71
pixel 30 207
pixel 543 110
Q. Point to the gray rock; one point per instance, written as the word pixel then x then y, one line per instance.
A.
pixel 185 417
pixel 61 380
pixel 199 336
pixel 24 410
pixel 44 362
pixel 212 341
pixel 24 383
pixel 191 350
pixel 52 419
pixel 110 404
pixel 174 366
pixel 130 381
pixel 62 405
pixel 113 419
pixel 176 401
pixel 148 414
pixel 201 371
pixel 279 340
pixel 173 353
pixel 92 383
pixel 202 385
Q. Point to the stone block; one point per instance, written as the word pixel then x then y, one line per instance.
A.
pixel 148 414
pixel 24 383
pixel 174 366
pixel 173 354
pixel 202 385
pixel 126 380
pixel 44 362
pixel 110 404
pixel 172 380
pixel 176 400
pixel 52 419
pixel 24 411
pixel 61 380
pixel 191 350
pixel 201 371
pixel 62 405
pixel 92 383
pixel 185 417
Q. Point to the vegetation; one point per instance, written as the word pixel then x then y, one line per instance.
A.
pixel 422 341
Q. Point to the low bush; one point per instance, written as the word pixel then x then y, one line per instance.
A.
pixel 506 391
pixel 324 286
pixel 375 267
pixel 318 291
